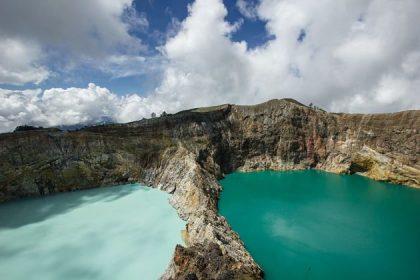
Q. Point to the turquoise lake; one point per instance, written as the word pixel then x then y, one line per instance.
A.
pixel 123 232
pixel 316 225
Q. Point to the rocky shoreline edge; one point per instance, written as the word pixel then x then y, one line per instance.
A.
pixel 185 154
pixel 213 250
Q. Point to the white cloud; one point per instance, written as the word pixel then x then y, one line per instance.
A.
pixel 20 62
pixel 58 106
pixel 82 27
pixel 357 56
pixel 135 21
pixel 120 66
pixel 247 9
pixel 352 50
pixel 33 34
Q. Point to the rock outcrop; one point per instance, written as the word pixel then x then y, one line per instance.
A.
pixel 186 153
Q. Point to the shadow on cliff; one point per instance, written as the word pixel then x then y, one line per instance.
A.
pixel 28 211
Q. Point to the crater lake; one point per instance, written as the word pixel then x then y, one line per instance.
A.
pixel 316 225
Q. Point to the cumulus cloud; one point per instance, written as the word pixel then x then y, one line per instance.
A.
pixel 20 62
pixel 57 106
pixel 355 56
pixel 351 56
pixel 35 33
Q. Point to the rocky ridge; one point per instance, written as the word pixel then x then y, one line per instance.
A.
pixel 186 153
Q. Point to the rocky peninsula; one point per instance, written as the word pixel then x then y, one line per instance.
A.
pixel 186 153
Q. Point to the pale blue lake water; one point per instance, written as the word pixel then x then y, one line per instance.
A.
pixel 123 232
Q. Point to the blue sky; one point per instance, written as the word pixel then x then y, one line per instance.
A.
pixel 160 15
pixel 69 62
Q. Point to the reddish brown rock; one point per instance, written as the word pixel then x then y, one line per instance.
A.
pixel 184 154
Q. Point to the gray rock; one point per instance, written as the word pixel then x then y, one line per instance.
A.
pixel 186 153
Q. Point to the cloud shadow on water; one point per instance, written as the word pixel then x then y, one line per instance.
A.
pixel 26 211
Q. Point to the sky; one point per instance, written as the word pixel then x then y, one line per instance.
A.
pixel 72 62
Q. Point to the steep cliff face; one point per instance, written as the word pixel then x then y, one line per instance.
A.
pixel 278 135
pixel 184 154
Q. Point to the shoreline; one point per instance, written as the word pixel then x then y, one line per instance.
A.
pixel 185 154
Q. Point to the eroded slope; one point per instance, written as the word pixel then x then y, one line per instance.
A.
pixel 186 153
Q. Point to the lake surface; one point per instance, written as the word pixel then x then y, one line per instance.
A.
pixel 123 232
pixel 316 225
